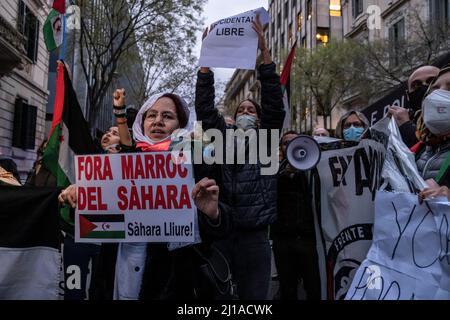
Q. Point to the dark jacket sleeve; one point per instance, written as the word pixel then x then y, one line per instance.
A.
pixel 204 103
pixel 408 133
pixel 272 115
pixel 210 230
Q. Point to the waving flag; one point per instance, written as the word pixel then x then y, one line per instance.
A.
pixel 53 30
pixel 69 134
pixel 285 86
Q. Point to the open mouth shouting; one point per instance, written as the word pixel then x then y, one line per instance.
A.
pixel 158 134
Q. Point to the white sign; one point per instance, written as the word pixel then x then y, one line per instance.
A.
pixel 410 251
pixel 349 180
pixel 134 198
pixel 232 43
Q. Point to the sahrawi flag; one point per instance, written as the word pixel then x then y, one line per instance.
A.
pixel 102 226
pixel 53 30
pixel 69 135
pixel 285 84
pixel 30 246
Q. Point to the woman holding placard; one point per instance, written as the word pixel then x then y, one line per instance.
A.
pixel 251 195
pixel 153 271
pixel 168 273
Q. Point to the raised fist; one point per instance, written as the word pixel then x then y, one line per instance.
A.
pixel 119 98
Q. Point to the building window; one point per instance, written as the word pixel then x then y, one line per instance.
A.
pixel 28 25
pixel 286 9
pixel 279 20
pixel 335 8
pixel 309 9
pixel 276 49
pixel 396 39
pixel 440 12
pixel 290 33
pixel 24 130
pixel 357 7
pixel 322 36
pixel 299 22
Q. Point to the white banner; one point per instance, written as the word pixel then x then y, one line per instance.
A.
pixel 134 198
pixel 409 258
pixel 232 43
pixel 349 179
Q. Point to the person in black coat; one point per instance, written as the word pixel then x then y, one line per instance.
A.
pixel 251 196
pixel 418 84
pixel 293 234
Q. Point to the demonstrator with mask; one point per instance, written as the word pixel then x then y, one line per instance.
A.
pixel 352 126
pixel 251 196
pixel 433 150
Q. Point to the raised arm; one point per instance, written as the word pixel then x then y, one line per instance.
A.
pixel 205 102
pixel 121 119
pixel 272 114
pixel 205 99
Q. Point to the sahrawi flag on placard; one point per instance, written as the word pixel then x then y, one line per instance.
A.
pixel 69 135
pixel 102 226
pixel 285 80
pixel 30 249
pixel 53 30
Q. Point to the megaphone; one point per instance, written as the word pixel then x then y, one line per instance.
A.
pixel 303 153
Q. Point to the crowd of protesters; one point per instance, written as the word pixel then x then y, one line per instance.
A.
pixel 240 210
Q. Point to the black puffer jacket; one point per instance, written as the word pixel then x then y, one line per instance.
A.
pixel 251 196
pixel 430 160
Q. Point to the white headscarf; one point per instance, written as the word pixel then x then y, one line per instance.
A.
pixel 140 136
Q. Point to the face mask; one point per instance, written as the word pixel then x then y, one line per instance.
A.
pixel 246 122
pixel 416 98
pixel 353 133
pixel 436 112
pixel 112 148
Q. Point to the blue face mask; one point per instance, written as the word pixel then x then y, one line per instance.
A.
pixel 353 134
pixel 246 122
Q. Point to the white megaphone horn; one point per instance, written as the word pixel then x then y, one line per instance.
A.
pixel 303 153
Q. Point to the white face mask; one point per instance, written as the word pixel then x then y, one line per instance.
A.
pixel 112 148
pixel 436 112
pixel 246 122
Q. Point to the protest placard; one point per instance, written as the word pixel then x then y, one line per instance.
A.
pixel 232 43
pixel 134 198
pixel 349 180
pixel 409 258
